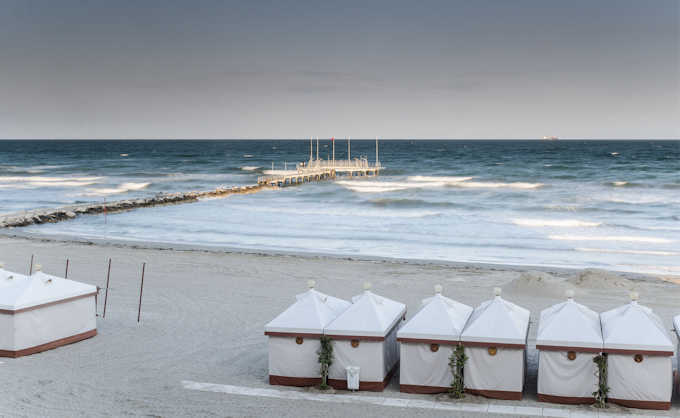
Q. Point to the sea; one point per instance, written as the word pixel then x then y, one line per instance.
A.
pixel 567 203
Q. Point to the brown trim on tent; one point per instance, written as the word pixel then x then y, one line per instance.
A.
pixel 341 384
pixel 291 334
pixel 570 400
pixel 496 394
pixel 498 345
pixel 633 352
pixel 423 389
pixel 418 340
pixel 44 305
pixel 294 381
pixel 49 346
pixel 641 404
pixel 356 337
pixel 563 348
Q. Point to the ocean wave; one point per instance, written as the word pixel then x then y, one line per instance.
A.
pixel 617 238
pixel 27 182
pixel 562 223
pixel 410 203
pixel 250 168
pixel 491 185
pixel 639 252
pixel 418 182
pixel 439 179
pixel 125 187
pixel 360 186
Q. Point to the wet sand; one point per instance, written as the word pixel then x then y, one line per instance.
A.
pixel 203 315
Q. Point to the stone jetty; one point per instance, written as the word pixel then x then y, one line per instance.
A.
pixel 53 215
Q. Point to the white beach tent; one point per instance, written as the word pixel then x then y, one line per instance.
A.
pixel 365 336
pixel 569 338
pixel 41 312
pixel 427 341
pixel 639 352
pixel 495 340
pixel 294 338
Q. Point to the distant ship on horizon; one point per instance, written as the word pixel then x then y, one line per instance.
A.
pixel 550 138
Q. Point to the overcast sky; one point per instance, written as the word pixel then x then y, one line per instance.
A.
pixel 396 69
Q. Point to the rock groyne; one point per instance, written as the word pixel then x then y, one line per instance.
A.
pixel 53 215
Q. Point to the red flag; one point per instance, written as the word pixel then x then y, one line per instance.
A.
pixel 333 139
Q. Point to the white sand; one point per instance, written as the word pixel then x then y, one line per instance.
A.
pixel 203 316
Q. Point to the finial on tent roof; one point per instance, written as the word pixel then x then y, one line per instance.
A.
pixel 311 284
pixel 497 291
pixel 570 294
pixel 367 286
pixel 38 267
pixel 634 296
pixel 438 289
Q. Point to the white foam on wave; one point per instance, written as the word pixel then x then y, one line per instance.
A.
pixel 639 252
pixel 27 182
pixel 439 179
pixel 249 168
pixel 492 185
pixel 385 186
pixel 125 187
pixel 562 223
pixel 617 238
pixel 619 183
pixel 418 182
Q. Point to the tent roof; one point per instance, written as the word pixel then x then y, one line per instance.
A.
pixel 370 315
pixel 497 321
pixel 309 314
pixel 569 324
pixel 39 289
pixel 634 327
pixel 440 318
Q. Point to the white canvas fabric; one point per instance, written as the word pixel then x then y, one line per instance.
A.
pixel 497 321
pixel 421 367
pixel 559 376
pixel 310 314
pixel 40 289
pixel 440 318
pixel 290 359
pixel 370 315
pixel 374 358
pixel 42 309
pixel 649 380
pixel 569 324
pixel 503 371
pixel 634 327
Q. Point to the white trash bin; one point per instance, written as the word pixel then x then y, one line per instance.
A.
pixel 352 377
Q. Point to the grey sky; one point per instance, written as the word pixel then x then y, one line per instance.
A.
pixel 397 69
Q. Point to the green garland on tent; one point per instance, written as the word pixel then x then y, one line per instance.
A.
pixel 456 363
pixel 602 389
pixel 325 359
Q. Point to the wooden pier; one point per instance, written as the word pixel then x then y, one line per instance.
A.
pixel 316 169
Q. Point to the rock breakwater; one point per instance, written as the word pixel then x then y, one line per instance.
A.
pixel 53 215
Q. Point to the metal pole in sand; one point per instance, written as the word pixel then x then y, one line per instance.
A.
pixel 141 290
pixel 30 269
pixel 106 294
pixel 66 272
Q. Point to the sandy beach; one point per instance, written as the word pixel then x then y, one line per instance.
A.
pixel 203 315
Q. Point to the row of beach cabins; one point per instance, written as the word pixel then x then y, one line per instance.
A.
pixel 370 339
pixel 626 349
